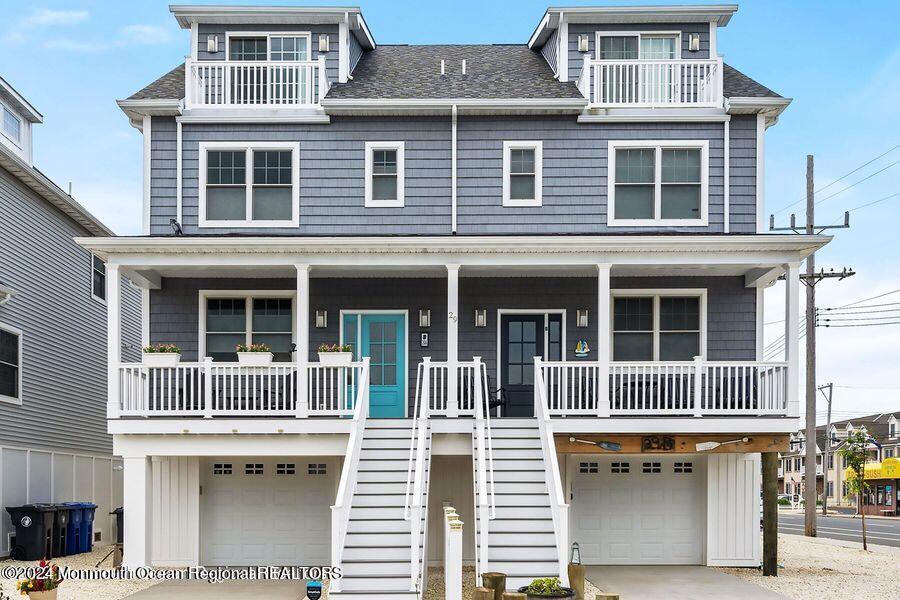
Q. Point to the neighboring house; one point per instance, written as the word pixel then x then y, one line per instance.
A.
pixel 572 228
pixel 54 446
pixel 884 429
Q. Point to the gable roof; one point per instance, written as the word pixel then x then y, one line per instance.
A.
pixel 737 85
pixel 168 87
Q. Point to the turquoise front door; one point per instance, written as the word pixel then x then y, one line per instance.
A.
pixel 381 337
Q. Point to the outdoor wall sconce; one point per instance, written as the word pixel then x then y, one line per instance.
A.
pixel 424 317
pixel 321 319
pixel 480 317
pixel 324 44
pixel 583 42
pixel 581 317
pixel 212 44
pixel 694 42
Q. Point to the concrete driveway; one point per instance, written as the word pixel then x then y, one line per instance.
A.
pixel 675 583
pixel 231 590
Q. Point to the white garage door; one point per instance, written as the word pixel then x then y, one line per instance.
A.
pixel 639 509
pixel 266 511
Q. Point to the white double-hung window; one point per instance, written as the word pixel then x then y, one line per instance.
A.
pixel 652 183
pixel 384 186
pixel 659 325
pixel 229 318
pixel 249 185
pixel 522 185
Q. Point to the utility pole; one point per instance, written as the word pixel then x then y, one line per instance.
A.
pixel 825 453
pixel 810 279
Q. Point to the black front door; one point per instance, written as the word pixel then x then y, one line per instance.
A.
pixel 521 339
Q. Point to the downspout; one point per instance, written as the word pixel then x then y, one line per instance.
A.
pixel 178 200
pixel 453 119
pixel 727 175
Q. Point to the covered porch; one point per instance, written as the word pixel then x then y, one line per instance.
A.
pixel 616 326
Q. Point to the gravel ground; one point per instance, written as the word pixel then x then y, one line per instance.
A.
pixel 81 590
pixel 820 569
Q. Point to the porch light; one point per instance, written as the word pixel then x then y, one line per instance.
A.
pixel 323 42
pixel 576 554
pixel 212 44
pixel 583 42
pixel 581 317
pixel 424 317
pixel 480 317
pixel 321 319
pixel 694 42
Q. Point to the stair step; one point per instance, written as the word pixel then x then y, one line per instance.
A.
pixel 382 487
pixel 386 454
pixel 383 500
pixel 372 463
pixel 519 500
pixel 384 553
pixel 522 512
pixel 373 595
pixel 377 540
pixel 515 442
pixel 387 476
pixel 383 582
pixel 530 475
pixel 514 525
pixel 529 552
pixel 520 453
pixel 520 539
pixel 400 569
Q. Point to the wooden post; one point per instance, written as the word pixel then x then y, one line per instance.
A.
pixel 496 582
pixel 576 580
pixel 770 513
pixel 483 593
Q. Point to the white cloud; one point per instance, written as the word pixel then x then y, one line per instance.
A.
pixel 146 34
pixel 44 17
pixel 75 45
pixel 142 34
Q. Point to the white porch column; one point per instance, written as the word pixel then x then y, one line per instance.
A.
pixel 792 336
pixel 604 333
pixel 452 339
pixel 136 519
pixel 302 357
pixel 113 339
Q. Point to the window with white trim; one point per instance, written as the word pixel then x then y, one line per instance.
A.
pixel 892 428
pixel 12 125
pixel 290 47
pixel 658 326
pixel 522 177
pixel 10 364
pixel 255 185
pixel 658 183
pixel 384 187
pixel 98 279
pixel 234 320
pixel 637 46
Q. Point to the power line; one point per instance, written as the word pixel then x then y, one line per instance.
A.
pixel 866 324
pixel 841 178
pixel 868 204
pixel 872 298
pixel 856 183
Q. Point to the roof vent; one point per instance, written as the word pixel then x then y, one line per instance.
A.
pixel 463 66
pixel 443 67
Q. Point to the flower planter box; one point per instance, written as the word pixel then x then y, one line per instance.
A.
pixel 255 359
pixel 161 359
pixel 335 359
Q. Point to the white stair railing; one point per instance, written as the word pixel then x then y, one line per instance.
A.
pixel 340 512
pixel 558 506
pixel 415 474
pixel 487 505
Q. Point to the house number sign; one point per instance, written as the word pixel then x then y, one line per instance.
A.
pixel 658 443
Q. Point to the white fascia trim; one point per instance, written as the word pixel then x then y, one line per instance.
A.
pixel 202 115
pixel 699 13
pixel 163 425
pixel 660 145
pixel 22 105
pixel 681 425
pixel 508 147
pixel 249 147
pixel 186 14
pixel 370 150
pixel 388 104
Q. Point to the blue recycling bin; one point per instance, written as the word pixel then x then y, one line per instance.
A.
pixel 87 526
pixel 75 527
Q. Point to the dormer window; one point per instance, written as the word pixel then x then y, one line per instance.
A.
pixel 273 47
pixel 642 46
pixel 12 125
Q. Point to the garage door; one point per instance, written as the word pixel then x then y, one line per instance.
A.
pixel 639 509
pixel 266 511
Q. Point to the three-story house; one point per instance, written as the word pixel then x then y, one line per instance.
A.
pixel 548 261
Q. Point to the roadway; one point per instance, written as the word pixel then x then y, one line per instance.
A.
pixel 878 531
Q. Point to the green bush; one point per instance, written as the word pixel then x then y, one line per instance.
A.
pixel 784 502
pixel 545 587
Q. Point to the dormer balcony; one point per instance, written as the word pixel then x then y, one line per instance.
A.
pixel 652 83
pixel 255 84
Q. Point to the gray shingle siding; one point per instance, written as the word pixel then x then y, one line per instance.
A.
pixel 64 328
pixel 576 58
pixel 332 159
pixel 549 50
pixel 331 58
pixel 356 52
pixel 731 321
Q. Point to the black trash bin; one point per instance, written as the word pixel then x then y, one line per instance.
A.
pixel 61 530
pixel 120 525
pixel 34 531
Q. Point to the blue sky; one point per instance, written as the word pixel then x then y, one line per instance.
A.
pixel 839 65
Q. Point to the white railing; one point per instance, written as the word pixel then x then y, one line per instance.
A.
pixel 439 388
pixel 652 83
pixel 558 506
pixel 695 387
pixel 484 454
pixel 210 389
pixel 254 83
pixel 415 474
pixel 340 512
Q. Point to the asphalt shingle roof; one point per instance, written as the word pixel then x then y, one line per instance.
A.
pixel 492 71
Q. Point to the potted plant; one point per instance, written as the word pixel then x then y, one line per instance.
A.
pixel 162 355
pixel 548 587
pixel 335 355
pixel 254 355
pixel 42 586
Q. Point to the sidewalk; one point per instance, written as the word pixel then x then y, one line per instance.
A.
pixel 837 511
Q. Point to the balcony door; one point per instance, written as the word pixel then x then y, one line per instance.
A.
pixel 382 337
